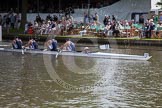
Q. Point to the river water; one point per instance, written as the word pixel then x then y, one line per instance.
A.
pixel 35 80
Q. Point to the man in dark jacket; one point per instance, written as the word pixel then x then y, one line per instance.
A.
pixel 149 29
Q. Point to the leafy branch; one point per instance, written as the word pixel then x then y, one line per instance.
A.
pixel 159 3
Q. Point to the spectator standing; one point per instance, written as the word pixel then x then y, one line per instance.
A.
pixel 113 18
pixel 60 17
pixel 96 18
pixel 141 20
pixel 105 21
pixel 26 28
pixel 155 19
pixel 55 18
pixel 115 29
pixel 160 18
pixel 86 20
pixel 109 19
pixel 150 27
pixel 36 27
pixel 107 30
pixel 8 21
pixel 4 21
pixel 48 17
pixel 13 20
pixel 38 19
pixel 18 21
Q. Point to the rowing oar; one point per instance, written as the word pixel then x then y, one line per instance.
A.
pixel 22 51
pixel 59 51
pixel 4 45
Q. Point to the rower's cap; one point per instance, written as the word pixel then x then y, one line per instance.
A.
pixel 86 48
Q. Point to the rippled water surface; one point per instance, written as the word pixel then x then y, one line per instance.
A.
pixel 34 80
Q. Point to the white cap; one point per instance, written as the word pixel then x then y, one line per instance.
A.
pixel 86 48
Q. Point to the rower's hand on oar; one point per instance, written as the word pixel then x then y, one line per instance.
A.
pixel 59 51
pixel 22 50
pixel 45 50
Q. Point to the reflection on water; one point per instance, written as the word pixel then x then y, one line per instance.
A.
pixel 25 82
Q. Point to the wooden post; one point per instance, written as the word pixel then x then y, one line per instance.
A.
pixel 0 33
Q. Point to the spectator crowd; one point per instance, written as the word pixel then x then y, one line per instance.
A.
pixel 65 24
pixel 10 21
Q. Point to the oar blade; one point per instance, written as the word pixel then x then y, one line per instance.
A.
pixel 59 51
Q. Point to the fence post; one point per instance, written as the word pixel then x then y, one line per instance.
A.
pixel 0 33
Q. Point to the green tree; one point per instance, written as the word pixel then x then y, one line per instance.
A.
pixel 159 3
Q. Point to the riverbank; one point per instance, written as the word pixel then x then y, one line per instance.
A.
pixel 90 39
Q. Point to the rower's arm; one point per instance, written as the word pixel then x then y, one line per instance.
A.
pixel 64 46
pixel 46 45
pixel 27 45
pixel 13 42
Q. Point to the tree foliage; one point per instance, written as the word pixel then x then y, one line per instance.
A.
pixel 159 3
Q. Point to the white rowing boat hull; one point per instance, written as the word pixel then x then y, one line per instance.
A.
pixel 78 54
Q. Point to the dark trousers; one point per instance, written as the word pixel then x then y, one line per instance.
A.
pixel 12 25
pixel 148 34
pixel 115 33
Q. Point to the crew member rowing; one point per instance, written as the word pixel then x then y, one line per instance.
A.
pixel 32 44
pixel 68 46
pixel 17 43
pixel 51 45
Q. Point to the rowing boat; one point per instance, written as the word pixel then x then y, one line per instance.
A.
pixel 144 57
